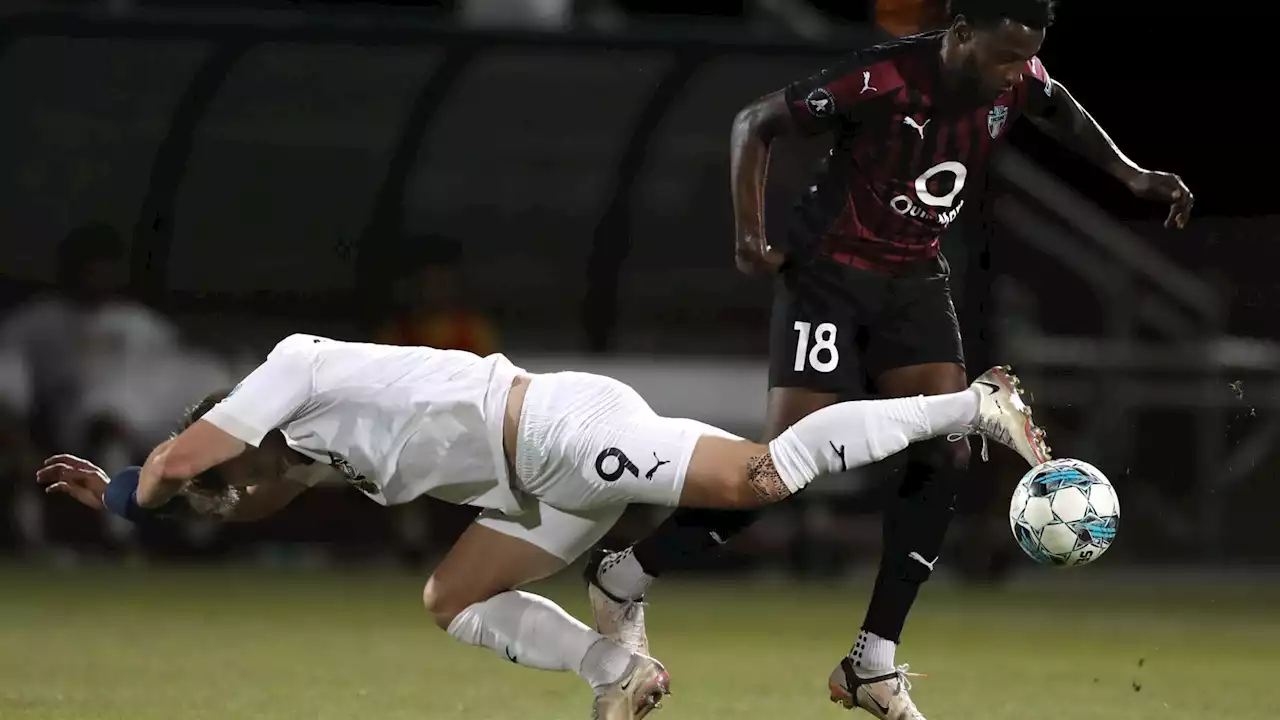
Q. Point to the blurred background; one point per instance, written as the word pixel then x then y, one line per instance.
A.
pixel 185 183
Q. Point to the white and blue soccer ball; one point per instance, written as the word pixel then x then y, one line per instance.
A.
pixel 1064 512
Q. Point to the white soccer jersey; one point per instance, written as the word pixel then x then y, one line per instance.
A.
pixel 396 422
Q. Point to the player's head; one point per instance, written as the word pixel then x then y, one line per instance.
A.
pixel 990 41
pixel 215 491
pixel 218 489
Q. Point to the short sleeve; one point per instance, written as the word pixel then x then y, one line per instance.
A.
pixel 840 92
pixel 271 396
pixel 1038 93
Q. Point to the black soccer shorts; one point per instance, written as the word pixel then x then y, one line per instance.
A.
pixel 836 328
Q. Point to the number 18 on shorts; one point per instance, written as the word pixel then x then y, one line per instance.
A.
pixel 812 354
pixel 816 347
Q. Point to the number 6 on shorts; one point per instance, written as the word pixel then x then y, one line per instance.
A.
pixel 823 356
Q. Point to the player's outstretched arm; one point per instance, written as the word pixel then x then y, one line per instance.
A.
pixel 175 462
pixel 754 129
pixel 89 484
pixel 1056 111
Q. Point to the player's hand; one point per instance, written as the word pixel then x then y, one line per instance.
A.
pixel 1166 188
pixel 77 477
pixel 753 255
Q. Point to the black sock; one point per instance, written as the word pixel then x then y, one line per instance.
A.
pixel 689 532
pixel 915 525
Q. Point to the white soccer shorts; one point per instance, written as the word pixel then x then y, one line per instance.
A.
pixel 589 446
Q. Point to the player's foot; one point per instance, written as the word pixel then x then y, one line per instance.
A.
pixel 639 692
pixel 885 696
pixel 1005 417
pixel 622 621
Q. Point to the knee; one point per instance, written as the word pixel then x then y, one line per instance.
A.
pixel 731 475
pixel 935 471
pixel 443 602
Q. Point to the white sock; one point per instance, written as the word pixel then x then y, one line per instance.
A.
pixel 872 655
pixel 621 576
pixel 533 631
pixel 606 661
pixel 852 434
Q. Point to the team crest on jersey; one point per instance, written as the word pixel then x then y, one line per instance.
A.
pixel 821 103
pixel 351 475
pixel 995 120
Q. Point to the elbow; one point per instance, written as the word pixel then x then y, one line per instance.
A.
pixel 744 126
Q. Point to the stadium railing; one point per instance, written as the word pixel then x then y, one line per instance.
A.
pixel 1164 347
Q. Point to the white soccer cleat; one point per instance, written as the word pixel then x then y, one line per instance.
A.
pixel 1005 417
pixel 639 692
pixel 885 696
pixel 620 620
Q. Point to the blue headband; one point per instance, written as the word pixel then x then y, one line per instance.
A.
pixel 121 498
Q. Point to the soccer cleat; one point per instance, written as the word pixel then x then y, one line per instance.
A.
pixel 639 692
pixel 884 696
pixel 1005 417
pixel 622 621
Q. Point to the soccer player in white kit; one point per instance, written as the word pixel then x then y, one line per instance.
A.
pixel 553 460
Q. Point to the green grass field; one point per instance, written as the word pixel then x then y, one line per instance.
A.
pixel 187 645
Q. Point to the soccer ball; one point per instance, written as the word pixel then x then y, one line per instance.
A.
pixel 1064 512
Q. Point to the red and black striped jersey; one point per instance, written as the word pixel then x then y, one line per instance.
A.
pixel 896 174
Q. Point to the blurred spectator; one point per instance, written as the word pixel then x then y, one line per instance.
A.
pixel 71 343
pixel 87 317
pixel 431 305
pixel 906 17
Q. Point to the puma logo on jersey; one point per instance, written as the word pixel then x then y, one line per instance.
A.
pixel 911 123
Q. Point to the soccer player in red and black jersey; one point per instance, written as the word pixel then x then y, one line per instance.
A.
pixel 862 289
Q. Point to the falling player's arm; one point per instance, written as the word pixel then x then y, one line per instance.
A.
pixel 269 397
pixel 175 462
pixel 1055 111
pixel 817 104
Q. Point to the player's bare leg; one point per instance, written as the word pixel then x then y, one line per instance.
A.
pixel 472 595
pixel 915 525
pixel 728 478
